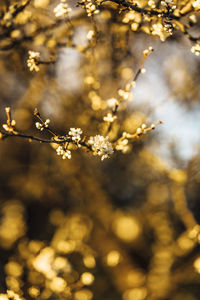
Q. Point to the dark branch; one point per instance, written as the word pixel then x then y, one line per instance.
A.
pixel 59 140
pixel 143 10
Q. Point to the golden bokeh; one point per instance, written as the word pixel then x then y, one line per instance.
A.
pixel 126 228
pixel 99 150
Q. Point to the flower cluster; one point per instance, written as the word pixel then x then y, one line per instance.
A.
pixel 152 4
pixel 125 94
pixel 168 3
pixel 196 4
pixel 90 7
pixel 63 152
pixel 112 103
pixel 196 49
pixel 41 126
pixel 109 118
pixel 143 127
pixel 133 18
pixel 161 30
pixel 122 145
pixel 75 133
pixel 101 146
pixel 8 128
pixel 33 60
pixel 61 9
pixel 10 295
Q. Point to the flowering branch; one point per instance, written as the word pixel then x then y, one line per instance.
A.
pixel 98 145
pixel 124 95
pixel 136 8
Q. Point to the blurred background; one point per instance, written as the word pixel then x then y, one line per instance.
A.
pixel 125 228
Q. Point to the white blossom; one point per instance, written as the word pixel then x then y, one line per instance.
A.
pixel 139 130
pixel 123 145
pixel 32 61
pixel 63 152
pixel 46 123
pixel 144 126
pixel 161 31
pixel 143 70
pixel 67 154
pixel 193 18
pixel 112 103
pixel 196 4
pixel 61 9
pixel 90 34
pixel 109 118
pixel 90 8
pixel 123 94
pixel 39 126
pixel 75 133
pixel 101 146
pixel 196 49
